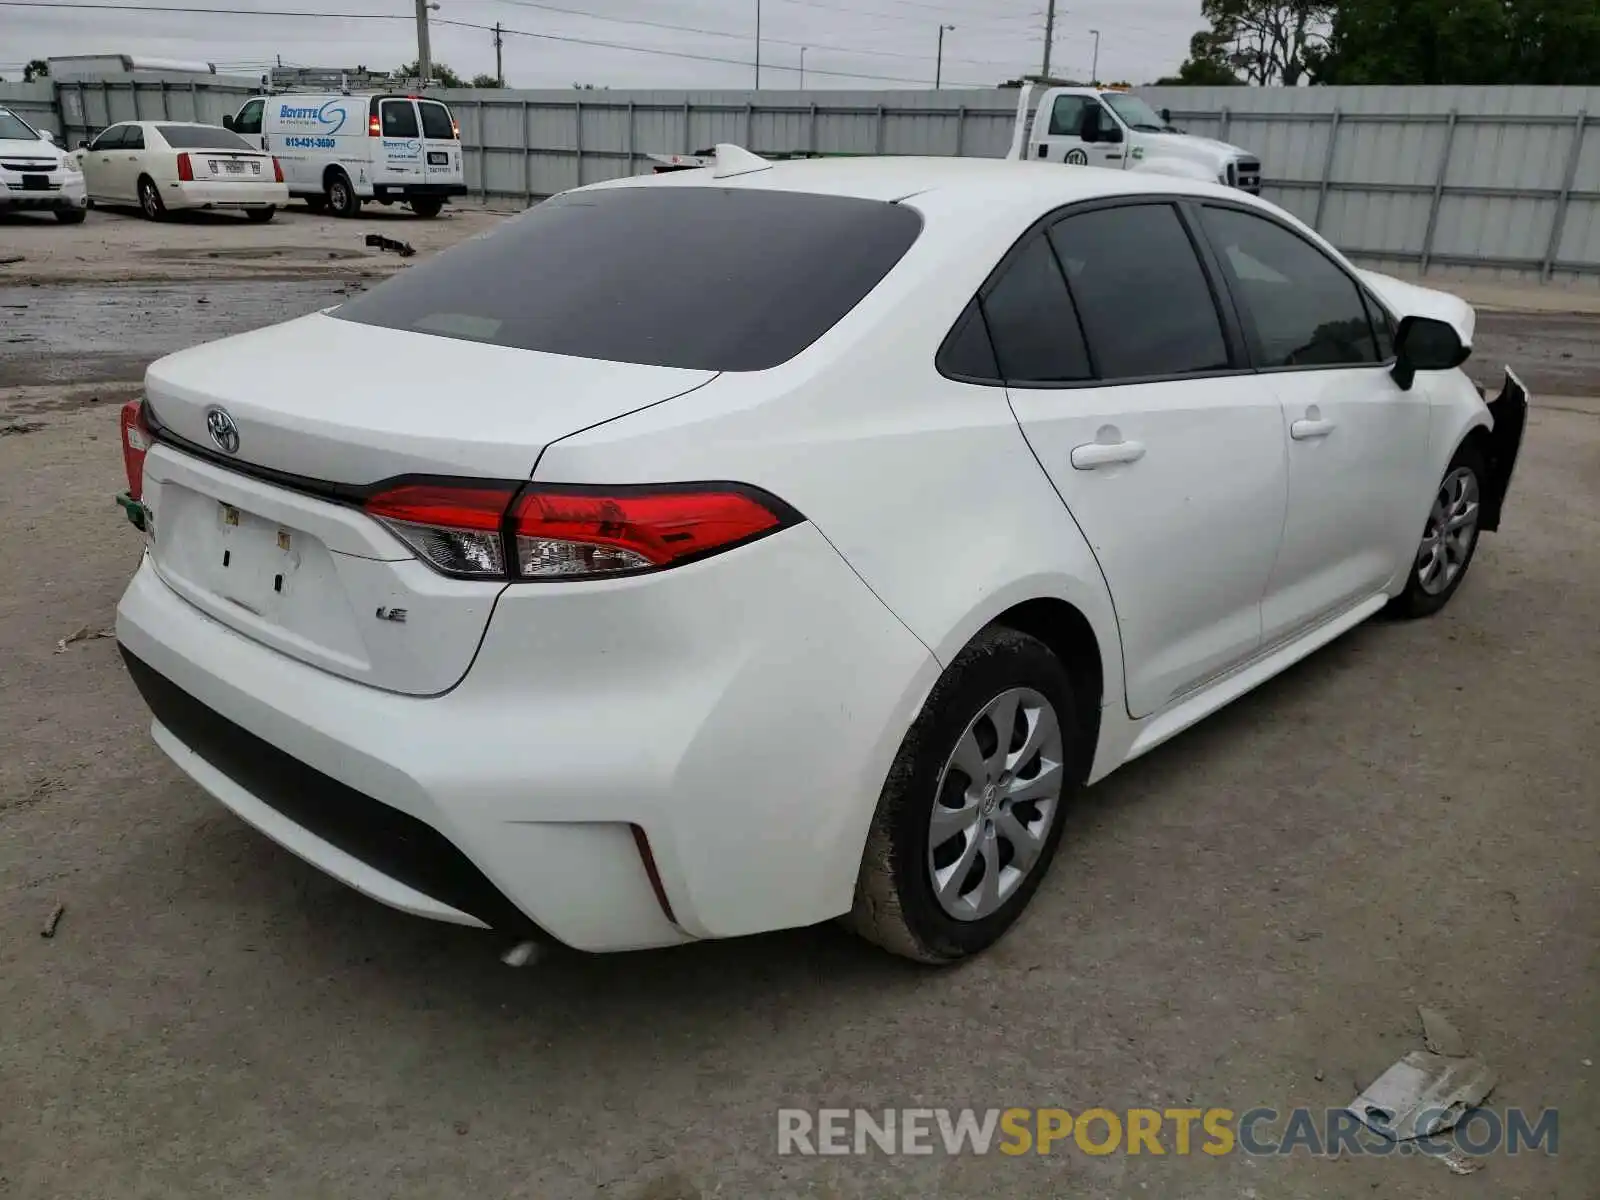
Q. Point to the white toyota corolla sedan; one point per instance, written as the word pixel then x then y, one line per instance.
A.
pixel 746 547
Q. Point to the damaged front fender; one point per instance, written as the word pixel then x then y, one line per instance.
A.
pixel 1510 413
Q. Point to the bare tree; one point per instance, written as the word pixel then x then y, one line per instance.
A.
pixel 1272 41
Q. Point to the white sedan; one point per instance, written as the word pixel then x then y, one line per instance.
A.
pixel 746 547
pixel 163 165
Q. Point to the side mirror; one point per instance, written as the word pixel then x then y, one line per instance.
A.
pixel 48 136
pixel 1166 116
pixel 1426 344
pixel 227 123
pixel 83 143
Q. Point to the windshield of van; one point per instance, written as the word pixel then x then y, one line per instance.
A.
pixel 14 127
pixel 707 278
pixel 1134 111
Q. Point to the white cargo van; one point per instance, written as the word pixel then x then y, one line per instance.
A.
pixel 338 151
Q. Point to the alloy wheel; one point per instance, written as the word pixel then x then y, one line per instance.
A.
pixel 1452 528
pixel 998 796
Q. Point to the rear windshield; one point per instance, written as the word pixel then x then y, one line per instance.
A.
pixel 714 279
pixel 201 137
pixel 436 121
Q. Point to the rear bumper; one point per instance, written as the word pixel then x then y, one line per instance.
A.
pixel 740 714
pixel 224 195
pixel 417 191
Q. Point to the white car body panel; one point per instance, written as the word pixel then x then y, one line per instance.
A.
pixel 739 714
pixel 1412 300
pixel 35 156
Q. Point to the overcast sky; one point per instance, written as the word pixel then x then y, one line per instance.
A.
pixel 874 44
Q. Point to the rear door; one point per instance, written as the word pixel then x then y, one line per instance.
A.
pixel 400 159
pixel 441 145
pixel 1357 444
pixel 1129 381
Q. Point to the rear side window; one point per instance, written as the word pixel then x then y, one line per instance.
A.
pixel 436 122
pixel 399 118
pixel 201 137
pixel 1305 310
pixel 1141 292
pixel 133 138
pixel 715 279
pixel 1035 332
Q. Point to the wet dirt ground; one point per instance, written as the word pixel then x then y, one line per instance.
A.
pixel 1247 917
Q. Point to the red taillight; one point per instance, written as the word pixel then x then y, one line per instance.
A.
pixel 373 128
pixel 135 445
pixel 185 169
pixel 277 170
pixel 544 533
pixel 455 129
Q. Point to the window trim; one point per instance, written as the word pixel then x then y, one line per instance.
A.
pixel 1247 320
pixel 1233 333
pixel 260 117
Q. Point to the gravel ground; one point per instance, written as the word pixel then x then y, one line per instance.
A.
pixel 1249 916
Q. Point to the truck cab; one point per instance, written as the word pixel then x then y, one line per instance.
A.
pixel 1099 127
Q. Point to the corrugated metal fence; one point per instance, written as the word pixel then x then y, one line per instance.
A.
pixel 1496 181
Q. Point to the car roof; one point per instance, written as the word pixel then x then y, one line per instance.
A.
pixel 939 184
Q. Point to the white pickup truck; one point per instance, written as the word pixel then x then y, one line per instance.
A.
pixel 1082 126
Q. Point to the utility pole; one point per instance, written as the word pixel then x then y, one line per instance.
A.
pixel 424 54
pixel 802 68
pixel 499 68
pixel 938 63
pixel 1094 71
pixel 758 45
pixel 1049 37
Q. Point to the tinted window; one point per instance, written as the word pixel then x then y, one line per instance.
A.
pixel 249 118
pixel 1307 312
pixel 1066 115
pixel 436 121
pixel 968 353
pixel 399 119
pixel 1383 327
pixel 132 138
pixel 1035 332
pixel 1140 290
pixel 201 137
pixel 709 278
pixel 109 139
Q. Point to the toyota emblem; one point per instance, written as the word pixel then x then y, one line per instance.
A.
pixel 222 430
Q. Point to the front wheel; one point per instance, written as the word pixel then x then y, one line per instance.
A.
pixel 150 200
pixel 427 206
pixel 1449 539
pixel 970 815
pixel 260 215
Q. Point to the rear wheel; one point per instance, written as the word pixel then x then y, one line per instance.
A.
pixel 150 199
pixel 342 198
pixel 427 206
pixel 71 216
pixel 970 815
pixel 260 215
pixel 1449 540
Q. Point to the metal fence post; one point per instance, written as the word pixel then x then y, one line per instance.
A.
pixel 811 132
pixel 527 159
pixel 166 113
pixel 750 127
pixel 878 141
pixel 577 138
pixel 194 102
pixel 1438 189
pixel 1558 226
pixel 1327 168
pixel 632 150
pixel 688 132
pixel 105 100
pixel 961 129
pixel 1222 124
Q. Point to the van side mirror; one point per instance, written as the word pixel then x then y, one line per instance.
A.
pixel 83 143
pixel 227 123
pixel 1166 116
pixel 1426 344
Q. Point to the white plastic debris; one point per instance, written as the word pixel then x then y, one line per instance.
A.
pixel 521 954
pixel 1423 1094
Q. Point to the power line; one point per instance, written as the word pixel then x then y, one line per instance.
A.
pixel 976 62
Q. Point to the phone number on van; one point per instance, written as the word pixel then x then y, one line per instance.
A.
pixel 310 143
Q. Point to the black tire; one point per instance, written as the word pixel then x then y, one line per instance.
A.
pixel 260 215
pixel 150 200
pixel 71 216
pixel 342 198
pixel 427 206
pixel 317 204
pixel 895 903
pixel 1419 599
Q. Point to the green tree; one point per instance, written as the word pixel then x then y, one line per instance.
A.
pixel 37 69
pixel 1540 42
pixel 485 81
pixel 443 76
pixel 1208 64
pixel 1259 41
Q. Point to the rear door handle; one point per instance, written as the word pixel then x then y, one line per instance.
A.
pixel 1105 454
pixel 1309 430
